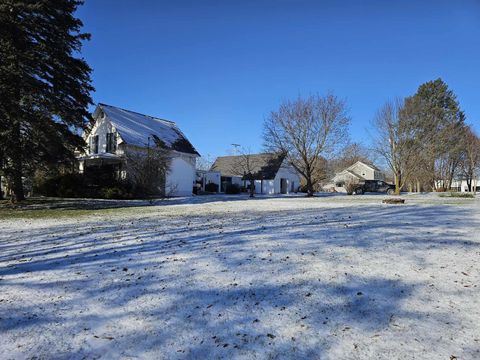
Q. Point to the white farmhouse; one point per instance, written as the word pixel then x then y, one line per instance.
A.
pixel 116 131
pixel 272 173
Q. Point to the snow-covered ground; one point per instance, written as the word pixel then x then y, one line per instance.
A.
pixel 334 277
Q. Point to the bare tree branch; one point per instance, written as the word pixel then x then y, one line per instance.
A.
pixel 307 130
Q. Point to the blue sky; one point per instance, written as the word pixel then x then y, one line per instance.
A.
pixel 218 68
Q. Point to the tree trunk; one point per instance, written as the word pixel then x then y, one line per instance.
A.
pixel 252 188
pixel 309 186
pixel 17 187
pixel 397 184
pixel 16 183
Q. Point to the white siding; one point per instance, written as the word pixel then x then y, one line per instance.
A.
pixel 344 177
pixel 101 128
pixel 213 177
pixel 271 187
pixel 463 186
pixel 291 177
pixel 268 187
pixel 363 170
pixel 181 177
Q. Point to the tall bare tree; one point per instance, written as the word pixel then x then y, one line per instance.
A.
pixel 395 141
pixel 204 163
pixel 449 160
pixel 470 164
pixel 307 129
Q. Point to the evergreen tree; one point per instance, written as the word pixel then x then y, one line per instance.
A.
pixel 437 123
pixel 44 86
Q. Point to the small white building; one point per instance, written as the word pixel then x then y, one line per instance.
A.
pixel 272 173
pixel 117 131
pixel 206 177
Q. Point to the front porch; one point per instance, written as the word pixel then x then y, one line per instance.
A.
pixel 103 167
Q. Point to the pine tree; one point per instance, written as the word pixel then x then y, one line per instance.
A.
pixel 438 122
pixel 44 86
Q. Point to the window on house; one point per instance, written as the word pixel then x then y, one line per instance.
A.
pixel 94 144
pixel 111 143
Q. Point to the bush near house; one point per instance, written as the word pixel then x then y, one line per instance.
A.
pixel 233 189
pixel 73 185
pixel 350 186
pixel 211 187
pixel 117 192
pixel 65 185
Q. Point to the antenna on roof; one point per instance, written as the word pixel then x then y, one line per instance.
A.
pixel 235 148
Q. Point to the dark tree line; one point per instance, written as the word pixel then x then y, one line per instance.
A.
pixel 44 87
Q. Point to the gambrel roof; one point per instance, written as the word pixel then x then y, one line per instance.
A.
pixel 263 166
pixel 144 130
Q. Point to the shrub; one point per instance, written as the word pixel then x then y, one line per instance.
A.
pixel 66 185
pixel 71 185
pixel 76 185
pixel 302 188
pixel 211 187
pixel 115 192
pixel 350 186
pixel 232 189
pixel 458 195
pixel 46 187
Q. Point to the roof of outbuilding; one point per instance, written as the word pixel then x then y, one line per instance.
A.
pixel 263 166
pixel 144 130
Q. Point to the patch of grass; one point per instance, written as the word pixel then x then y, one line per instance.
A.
pixel 458 195
pixel 7 213
pixel 40 207
pixel 54 213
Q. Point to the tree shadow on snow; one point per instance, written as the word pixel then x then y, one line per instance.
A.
pixel 219 286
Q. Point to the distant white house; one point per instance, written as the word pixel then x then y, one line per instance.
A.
pixel 358 172
pixel 462 185
pixel 272 173
pixel 116 131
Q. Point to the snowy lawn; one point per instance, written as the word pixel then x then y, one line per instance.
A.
pixel 333 277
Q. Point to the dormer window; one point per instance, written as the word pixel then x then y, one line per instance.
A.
pixel 94 144
pixel 111 143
